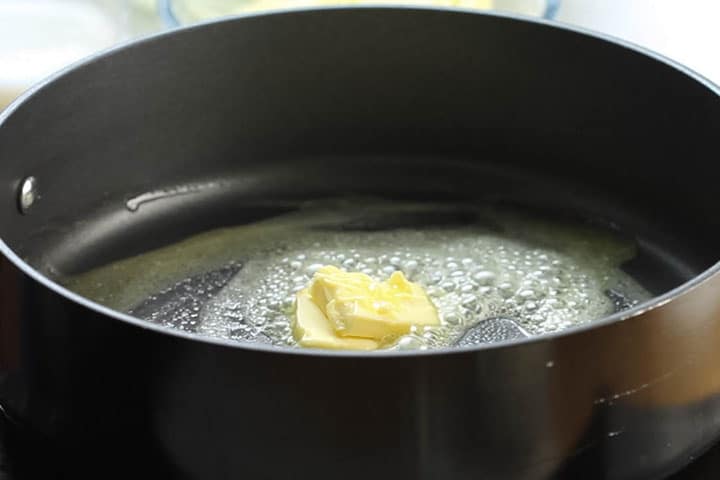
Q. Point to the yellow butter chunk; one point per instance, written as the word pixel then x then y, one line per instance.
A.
pixel 312 329
pixel 352 311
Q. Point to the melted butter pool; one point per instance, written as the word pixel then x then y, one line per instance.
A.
pixel 477 265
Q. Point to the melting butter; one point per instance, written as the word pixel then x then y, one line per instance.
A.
pixel 544 275
pixel 350 310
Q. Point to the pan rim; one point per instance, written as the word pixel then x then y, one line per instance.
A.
pixel 640 309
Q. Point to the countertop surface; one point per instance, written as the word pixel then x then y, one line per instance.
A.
pixel 686 31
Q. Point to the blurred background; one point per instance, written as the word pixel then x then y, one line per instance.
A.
pixel 38 37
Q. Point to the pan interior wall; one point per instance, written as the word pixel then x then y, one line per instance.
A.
pixel 138 223
pixel 187 132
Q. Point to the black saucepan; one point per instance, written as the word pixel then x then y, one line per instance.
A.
pixel 231 119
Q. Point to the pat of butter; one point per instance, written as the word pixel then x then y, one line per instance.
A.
pixel 352 311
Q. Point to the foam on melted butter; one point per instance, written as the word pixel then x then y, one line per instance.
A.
pixel 545 275
pixel 350 310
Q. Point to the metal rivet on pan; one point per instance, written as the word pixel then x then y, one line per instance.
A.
pixel 27 194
